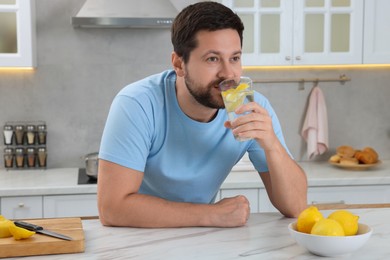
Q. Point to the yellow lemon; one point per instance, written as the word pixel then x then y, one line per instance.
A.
pixel 327 227
pixel 226 92
pixel 307 218
pixel 241 87
pixel 348 221
pixel 4 227
pixel 20 233
pixel 234 97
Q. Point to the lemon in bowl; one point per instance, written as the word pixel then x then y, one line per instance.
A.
pixel 347 220
pixel 338 234
pixel 331 246
pixel 308 218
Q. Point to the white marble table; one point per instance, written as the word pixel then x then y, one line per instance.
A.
pixel 264 237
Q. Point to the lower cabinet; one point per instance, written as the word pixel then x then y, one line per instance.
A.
pixel 70 206
pixel 329 195
pixel 25 207
pixel 371 194
pixel 84 205
pixel 22 207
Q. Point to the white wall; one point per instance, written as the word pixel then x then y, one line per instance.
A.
pixel 80 70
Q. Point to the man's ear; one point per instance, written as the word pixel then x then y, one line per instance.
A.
pixel 178 64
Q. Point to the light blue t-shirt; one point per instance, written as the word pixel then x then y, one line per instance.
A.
pixel 182 159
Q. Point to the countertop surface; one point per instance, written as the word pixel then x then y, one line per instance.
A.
pixel 64 180
pixel 265 236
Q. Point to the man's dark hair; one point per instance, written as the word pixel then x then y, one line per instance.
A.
pixel 209 16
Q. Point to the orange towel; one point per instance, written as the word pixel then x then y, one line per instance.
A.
pixel 315 127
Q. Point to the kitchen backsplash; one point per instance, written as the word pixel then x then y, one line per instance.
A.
pixel 80 71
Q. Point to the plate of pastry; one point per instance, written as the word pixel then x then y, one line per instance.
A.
pixel 349 158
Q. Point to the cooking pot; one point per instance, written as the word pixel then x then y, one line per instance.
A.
pixel 91 165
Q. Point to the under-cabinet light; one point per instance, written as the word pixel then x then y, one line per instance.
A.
pixel 305 67
pixel 16 68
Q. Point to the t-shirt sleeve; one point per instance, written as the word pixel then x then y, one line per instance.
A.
pixel 126 136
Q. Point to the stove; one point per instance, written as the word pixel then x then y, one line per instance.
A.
pixel 84 178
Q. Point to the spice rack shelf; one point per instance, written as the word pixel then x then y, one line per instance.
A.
pixel 25 145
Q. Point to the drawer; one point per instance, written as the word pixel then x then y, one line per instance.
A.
pixel 22 207
pixel 84 205
pixel 372 194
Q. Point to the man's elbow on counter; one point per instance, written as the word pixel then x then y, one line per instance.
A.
pixel 106 214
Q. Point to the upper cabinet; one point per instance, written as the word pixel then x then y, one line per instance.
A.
pixel 268 31
pixel 314 32
pixel 17 33
pixel 376 32
pixel 327 31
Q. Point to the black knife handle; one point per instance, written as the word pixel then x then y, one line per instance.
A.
pixel 28 226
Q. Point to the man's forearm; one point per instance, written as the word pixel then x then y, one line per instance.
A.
pixel 138 210
pixel 288 183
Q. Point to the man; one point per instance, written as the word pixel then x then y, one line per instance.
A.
pixel 167 145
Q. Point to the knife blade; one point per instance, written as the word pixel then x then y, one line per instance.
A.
pixel 41 230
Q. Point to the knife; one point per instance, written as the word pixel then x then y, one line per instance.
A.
pixel 40 230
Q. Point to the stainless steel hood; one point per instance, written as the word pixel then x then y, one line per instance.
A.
pixel 128 13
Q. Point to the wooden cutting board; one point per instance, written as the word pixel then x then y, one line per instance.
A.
pixel 44 245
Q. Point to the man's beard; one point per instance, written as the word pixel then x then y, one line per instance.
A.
pixel 202 95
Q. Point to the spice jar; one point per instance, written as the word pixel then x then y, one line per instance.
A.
pixel 42 134
pixel 19 156
pixel 31 157
pixel 19 134
pixel 8 134
pixel 30 133
pixel 42 156
pixel 8 157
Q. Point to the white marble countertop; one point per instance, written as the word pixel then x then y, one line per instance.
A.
pixel 64 180
pixel 42 182
pixel 265 236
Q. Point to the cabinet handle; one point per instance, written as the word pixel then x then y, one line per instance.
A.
pixel 21 205
pixel 314 202
pixel 298 57
pixel 288 58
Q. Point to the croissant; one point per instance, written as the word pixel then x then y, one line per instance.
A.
pixel 367 156
pixel 345 151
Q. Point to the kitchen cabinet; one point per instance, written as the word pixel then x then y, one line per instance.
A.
pixel 50 206
pixel 301 32
pixel 326 185
pixel 376 32
pixel 70 206
pixel 370 194
pixel 22 207
pixel 337 195
pixel 17 33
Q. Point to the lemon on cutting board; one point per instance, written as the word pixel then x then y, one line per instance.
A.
pixel 4 227
pixel 8 229
pixel 20 233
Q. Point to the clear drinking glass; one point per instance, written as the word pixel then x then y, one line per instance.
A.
pixel 236 92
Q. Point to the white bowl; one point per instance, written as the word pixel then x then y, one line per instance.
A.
pixel 331 245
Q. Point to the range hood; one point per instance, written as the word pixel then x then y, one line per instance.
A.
pixel 128 13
